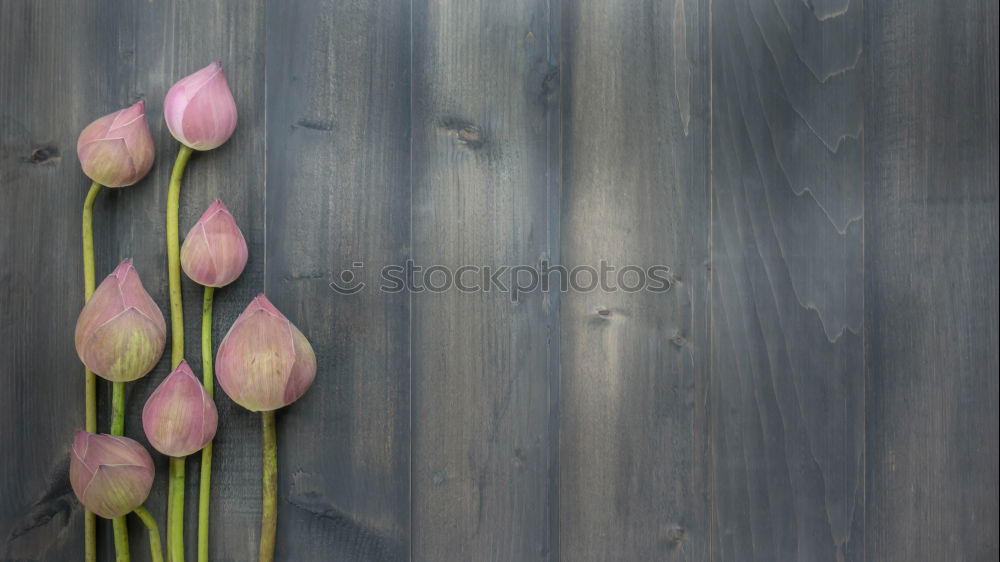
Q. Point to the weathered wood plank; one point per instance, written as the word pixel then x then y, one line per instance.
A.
pixel 80 62
pixel 788 387
pixel 41 276
pixel 481 439
pixel 931 220
pixel 633 438
pixel 338 192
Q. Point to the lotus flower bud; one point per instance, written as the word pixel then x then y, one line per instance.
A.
pixel 200 109
pixel 120 334
pixel 117 149
pixel 179 418
pixel 264 362
pixel 110 475
pixel 214 252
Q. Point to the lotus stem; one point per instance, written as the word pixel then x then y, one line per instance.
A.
pixel 155 548
pixel 175 510
pixel 269 512
pixel 205 482
pixel 119 524
pixel 89 283
pixel 117 408
pixel 121 539
pixel 175 499
pixel 174 258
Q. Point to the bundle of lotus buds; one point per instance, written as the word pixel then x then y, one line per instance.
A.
pixel 264 362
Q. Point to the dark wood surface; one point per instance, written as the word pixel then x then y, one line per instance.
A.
pixel 337 191
pixel 633 460
pixel 819 383
pixel 480 434
pixel 787 363
pixel 931 281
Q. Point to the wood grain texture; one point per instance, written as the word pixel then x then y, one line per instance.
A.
pixel 931 190
pixel 819 383
pixel 787 365
pixel 480 453
pixel 633 441
pixel 86 61
pixel 338 192
pixel 41 275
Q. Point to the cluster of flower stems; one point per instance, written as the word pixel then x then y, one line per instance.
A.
pixel 176 488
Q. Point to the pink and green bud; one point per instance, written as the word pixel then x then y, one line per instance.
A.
pixel 264 362
pixel 110 475
pixel 179 418
pixel 117 149
pixel 120 334
pixel 200 109
pixel 214 252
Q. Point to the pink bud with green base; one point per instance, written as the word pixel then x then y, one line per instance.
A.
pixel 110 475
pixel 179 418
pixel 214 252
pixel 264 362
pixel 200 110
pixel 121 333
pixel 117 149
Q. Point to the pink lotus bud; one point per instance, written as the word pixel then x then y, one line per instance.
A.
pixel 214 252
pixel 120 334
pixel 117 149
pixel 264 362
pixel 200 109
pixel 179 418
pixel 110 475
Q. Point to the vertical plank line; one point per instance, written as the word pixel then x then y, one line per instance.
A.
pixel 266 88
pixel 553 135
pixel 409 297
pixel 710 367
pixel 864 314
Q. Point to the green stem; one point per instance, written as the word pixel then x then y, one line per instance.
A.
pixel 269 512
pixel 119 525
pixel 174 258
pixel 205 483
pixel 175 510
pixel 89 284
pixel 155 549
pixel 117 408
pixel 121 539
pixel 90 380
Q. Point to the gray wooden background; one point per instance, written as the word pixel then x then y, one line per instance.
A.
pixel 820 383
